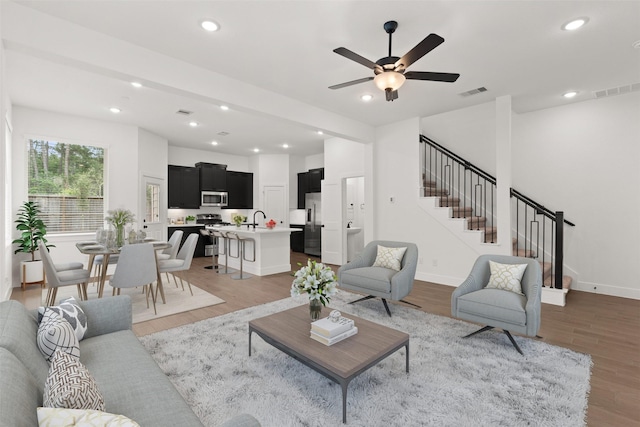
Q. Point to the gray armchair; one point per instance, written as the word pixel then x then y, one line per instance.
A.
pixel 499 308
pixel 359 275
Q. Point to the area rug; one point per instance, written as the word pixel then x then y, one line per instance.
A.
pixel 178 301
pixel 479 381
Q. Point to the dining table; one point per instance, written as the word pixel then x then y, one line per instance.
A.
pixel 94 249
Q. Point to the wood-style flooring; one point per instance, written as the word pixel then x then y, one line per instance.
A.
pixel 607 328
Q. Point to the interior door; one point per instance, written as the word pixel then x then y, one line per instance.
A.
pixel 331 223
pixel 274 204
pixel 152 218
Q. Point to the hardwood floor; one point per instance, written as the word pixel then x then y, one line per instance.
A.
pixel 606 327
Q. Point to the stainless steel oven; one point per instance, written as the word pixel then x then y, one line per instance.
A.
pixel 214 198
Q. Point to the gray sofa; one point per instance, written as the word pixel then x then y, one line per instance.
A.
pixel 129 379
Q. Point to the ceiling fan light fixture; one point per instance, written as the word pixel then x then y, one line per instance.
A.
pixel 389 80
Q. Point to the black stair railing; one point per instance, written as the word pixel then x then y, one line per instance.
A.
pixel 538 230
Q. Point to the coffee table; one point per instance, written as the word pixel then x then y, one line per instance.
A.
pixel 289 330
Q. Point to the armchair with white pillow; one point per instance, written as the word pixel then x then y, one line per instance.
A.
pixel 501 292
pixel 385 269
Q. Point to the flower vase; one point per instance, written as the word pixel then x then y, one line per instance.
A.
pixel 315 309
pixel 119 236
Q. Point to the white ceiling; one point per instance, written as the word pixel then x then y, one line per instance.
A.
pixel 285 47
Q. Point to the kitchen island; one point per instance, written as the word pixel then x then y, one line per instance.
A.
pixel 272 249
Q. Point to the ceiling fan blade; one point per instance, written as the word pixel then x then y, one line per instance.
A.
pixel 421 49
pixel 428 75
pixel 357 58
pixel 352 82
pixel 391 95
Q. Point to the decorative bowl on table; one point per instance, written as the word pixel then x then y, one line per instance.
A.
pixel 271 224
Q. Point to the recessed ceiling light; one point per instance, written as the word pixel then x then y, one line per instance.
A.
pixel 570 94
pixel 136 84
pixel 285 145
pixel 320 132
pixel 224 108
pixel 214 142
pixel 114 110
pixel 193 124
pixel 256 150
pixel 636 44
pixel 574 24
pixel 366 97
pixel 210 25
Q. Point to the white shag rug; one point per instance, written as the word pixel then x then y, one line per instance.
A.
pixel 479 381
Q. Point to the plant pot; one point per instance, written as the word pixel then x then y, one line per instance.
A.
pixel 31 271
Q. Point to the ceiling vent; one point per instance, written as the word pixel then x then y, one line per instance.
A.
pixel 184 112
pixel 473 91
pixel 223 133
pixel 620 90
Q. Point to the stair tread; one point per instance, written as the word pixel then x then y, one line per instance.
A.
pixel 566 282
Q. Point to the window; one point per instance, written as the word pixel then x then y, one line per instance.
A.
pixel 152 211
pixel 67 181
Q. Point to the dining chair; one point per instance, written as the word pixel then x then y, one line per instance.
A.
pixel 182 261
pixel 137 266
pixel 55 278
pixel 172 252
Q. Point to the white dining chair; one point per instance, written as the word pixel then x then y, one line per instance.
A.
pixel 136 267
pixel 55 278
pixel 172 252
pixel 182 262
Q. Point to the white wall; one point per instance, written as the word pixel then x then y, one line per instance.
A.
pixel 152 162
pixel 273 170
pixel 121 142
pixel 5 182
pixel 314 162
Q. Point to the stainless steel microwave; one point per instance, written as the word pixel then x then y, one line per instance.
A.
pixel 214 198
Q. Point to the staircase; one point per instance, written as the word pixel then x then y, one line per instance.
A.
pixel 469 193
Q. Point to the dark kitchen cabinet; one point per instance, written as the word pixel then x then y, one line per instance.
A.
pixel 240 189
pixel 185 233
pixel 184 187
pixel 213 177
pixel 297 238
pixel 314 178
pixel 302 189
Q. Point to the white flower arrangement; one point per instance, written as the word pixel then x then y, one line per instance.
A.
pixel 120 217
pixel 317 280
pixel 238 218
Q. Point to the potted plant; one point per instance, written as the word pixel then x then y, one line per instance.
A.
pixel 319 282
pixel 119 218
pixel 190 219
pixel 32 230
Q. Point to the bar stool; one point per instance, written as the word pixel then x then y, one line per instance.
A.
pixel 209 234
pixel 223 242
pixel 240 253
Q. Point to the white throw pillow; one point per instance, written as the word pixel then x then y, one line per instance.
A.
pixel 62 417
pixel 70 385
pixel 55 333
pixel 506 276
pixel 71 312
pixel 389 257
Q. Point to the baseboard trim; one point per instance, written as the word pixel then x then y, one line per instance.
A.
pixel 439 279
pixel 599 288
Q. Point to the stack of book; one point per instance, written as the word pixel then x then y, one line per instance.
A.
pixel 328 332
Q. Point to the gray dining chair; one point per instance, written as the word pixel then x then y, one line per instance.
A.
pixel 172 252
pixel 498 308
pixel 182 261
pixel 137 266
pixel 56 279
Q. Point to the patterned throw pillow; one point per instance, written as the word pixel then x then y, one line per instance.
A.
pixel 506 276
pixel 55 333
pixel 389 257
pixel 62 417
pixel 70 385
pixel 71 311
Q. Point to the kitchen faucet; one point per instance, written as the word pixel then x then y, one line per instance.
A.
pixel 254 218
pixel 349 224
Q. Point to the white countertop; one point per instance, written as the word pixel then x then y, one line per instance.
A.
pixel 185 225
pixel 258 230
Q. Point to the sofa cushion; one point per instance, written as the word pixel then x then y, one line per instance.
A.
pixel 70 385
pixel 496 304
pixel 506 276
pixel 125 372
pixel 371 278
pixel 71 312
pixel 63 417
pixel 18 330
pixel 20 393
pixel 54 334
pixel 389 257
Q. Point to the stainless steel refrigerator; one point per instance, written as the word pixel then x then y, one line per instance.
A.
pixel 312 225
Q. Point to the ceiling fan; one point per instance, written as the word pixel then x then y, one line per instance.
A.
pixel 390 71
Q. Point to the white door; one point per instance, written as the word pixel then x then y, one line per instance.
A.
pixel 331 223
pixel 274 206
pixel 151 221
